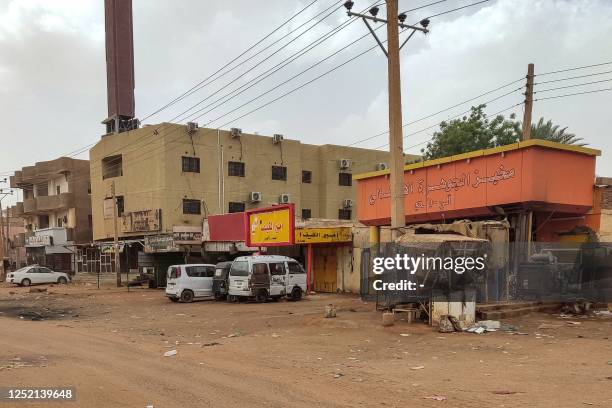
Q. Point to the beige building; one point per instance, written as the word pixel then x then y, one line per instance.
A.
pixel 171 175
pixel 56 210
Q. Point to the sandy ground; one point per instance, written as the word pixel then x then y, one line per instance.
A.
pixel 109 345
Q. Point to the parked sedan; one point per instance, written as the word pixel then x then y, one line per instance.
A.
pixel 34 274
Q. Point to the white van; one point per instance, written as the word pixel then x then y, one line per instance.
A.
pixel 188 282
pixel 266 276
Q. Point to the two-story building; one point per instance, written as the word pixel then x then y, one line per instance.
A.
pixel 56 210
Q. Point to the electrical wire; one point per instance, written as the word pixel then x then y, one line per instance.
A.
pixel 572 86
pixel 574 77
pixel 185 94
pixel 459 8
pixel 573 94
pixel 575 68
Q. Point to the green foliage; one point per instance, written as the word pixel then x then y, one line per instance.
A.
pixel 548 131
pixel 473 132
pixel 476 131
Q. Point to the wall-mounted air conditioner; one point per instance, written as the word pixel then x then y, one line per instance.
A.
pixel 283 199
pixel 235 132
pixel 255 197
pixel 347 203
pixel 344 164
pixel 277 139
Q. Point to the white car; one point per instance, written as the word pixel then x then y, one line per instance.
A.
pixel 188 282
pixel 34 274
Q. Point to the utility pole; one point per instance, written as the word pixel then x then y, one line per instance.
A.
pixel 396 139
pixel 528 103
pixel 394 21
pixel 3 245
pixel 116 241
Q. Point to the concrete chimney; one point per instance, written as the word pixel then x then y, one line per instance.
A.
pixel 119 66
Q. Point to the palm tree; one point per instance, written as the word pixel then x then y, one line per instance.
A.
pixel 548 131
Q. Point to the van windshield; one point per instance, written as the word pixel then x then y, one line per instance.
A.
pixel 239 268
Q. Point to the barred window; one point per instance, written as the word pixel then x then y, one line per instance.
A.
pixel 345 179
pixel 235 169
pixel 306 213
pixel 191 206
pixel 235 207
pixel 191 164
pixel 344 214
pixel 279 173
pixel 306 176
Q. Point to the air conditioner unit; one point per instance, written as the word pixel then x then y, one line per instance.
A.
pixel 192 127
pixel 235 132
pixel 277 139
pixel 347 203
pixel 255 197
pixel 344 164
pixel 283 199
pixel 382 166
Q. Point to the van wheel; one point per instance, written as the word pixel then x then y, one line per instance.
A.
pixel 187 296
pixel 296 294
pixel 26 282
pixel 261 296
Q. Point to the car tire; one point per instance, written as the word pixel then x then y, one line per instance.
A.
pixel 26 282
pixel 296 294
pixel 174 300
pixel 62 280
pixel 187 296
pixel 261 296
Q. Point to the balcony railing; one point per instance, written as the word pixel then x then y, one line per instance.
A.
pixel 47 203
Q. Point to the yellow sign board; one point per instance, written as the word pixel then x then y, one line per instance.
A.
pixel 322 235
pixel 272 226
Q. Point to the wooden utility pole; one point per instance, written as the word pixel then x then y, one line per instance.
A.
pixel 116 245
pixel 2 274
pixel 396 139
pixel 528 104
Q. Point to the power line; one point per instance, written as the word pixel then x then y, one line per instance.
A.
pixel 183 95
pixel 575 68
pixel 574 77
pixel 424 6
pixel 262 61
pixel 458 8
pixel 573 94
pixel 573 86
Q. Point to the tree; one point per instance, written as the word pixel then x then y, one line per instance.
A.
pixel 473 132
pixel 548 131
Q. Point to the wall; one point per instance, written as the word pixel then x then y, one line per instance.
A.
pixel 534 172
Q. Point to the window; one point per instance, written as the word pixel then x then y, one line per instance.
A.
pixel 295 268
pixel 345 179
pixel 120 206
pixel 112 166
pixel 42 190
pixel 200 271
pixel 344 214
pixel 59 222
pixel 235 169
pixel 260 269
pixel 235 207
pixel 239 268
pixel 306 213
pixel 277 268
pixel 90 221
pixel 191 206
pixel 58 190
pixel 174 272
pixel 191 164
pixel 306 176
pixel 279 173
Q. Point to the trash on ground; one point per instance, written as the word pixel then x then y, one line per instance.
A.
pixel 417 368
pixel 170 353
pixel 213 343
pixel 436 398
pixel 330 311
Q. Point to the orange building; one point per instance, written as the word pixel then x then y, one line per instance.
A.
pixel 553 181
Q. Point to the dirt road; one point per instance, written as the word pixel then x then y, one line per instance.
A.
pixel 109 345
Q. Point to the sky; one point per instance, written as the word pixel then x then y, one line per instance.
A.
pixel 53 80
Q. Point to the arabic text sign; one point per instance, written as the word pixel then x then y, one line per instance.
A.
pixel 322 235
pixel 271 226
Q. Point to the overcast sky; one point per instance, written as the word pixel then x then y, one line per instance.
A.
pixel 53 81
